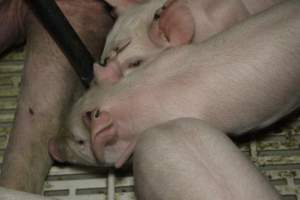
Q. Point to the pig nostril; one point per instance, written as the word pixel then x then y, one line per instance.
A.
pixel 106 61
pixel 89 115
pixel 87 118
pixel 97 114
pixel 156 16
pixel 135 64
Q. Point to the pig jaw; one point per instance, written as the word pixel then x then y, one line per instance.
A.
pixel 66 151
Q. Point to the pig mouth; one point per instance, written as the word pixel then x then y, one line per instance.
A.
pixel 78 157
pixel 103 140
pixel 67 152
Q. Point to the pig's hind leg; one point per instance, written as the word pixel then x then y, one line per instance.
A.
pixel 49 86
pixel 187 159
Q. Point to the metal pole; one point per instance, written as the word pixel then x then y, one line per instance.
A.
pixel 111 185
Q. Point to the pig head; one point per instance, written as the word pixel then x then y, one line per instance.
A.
pixel 145 28
pixel 90 137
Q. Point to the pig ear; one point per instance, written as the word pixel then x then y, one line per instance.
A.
pixel 121 5
pixel 173 24
pixel 107 75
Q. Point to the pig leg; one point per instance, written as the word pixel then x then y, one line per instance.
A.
pixel 187 159
pixel 12 17
pixel 49 85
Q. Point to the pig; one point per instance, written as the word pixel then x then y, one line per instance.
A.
pixel 198 162
pixel 145 28
pixel 12 17
pixel 49 85
pixel 243 79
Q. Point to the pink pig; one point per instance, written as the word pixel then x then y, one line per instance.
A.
pixel 243 79
pixel 145 28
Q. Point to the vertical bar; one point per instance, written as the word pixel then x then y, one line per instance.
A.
pixel 111 185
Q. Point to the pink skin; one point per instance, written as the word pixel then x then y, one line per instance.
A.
pixel 12 18
pixel 145 28
pixel 198 162
pixel 227 82
pixel 49 86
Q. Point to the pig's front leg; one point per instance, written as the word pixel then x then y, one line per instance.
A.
pixel 49 85
pixel 188 159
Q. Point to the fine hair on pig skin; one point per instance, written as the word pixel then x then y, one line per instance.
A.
pixel 243 79
pixel 193 160
pixel 145 28
pixel 49 86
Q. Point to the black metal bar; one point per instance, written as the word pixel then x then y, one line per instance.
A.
pixel 61 30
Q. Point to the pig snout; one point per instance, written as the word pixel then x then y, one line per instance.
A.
pixel 107 146
pixel 56 150
pixel 109 74
pixel 103 132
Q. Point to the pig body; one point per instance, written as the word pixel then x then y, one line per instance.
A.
pixel 49 86
pixel 145 29
pixel 243 79
pixel 198 162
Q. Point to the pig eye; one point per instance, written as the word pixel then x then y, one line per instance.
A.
pixel 135 63
pixel 122 45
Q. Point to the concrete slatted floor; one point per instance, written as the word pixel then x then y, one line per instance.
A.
pixel 277 154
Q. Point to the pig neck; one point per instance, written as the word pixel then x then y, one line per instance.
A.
pixel 158 89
